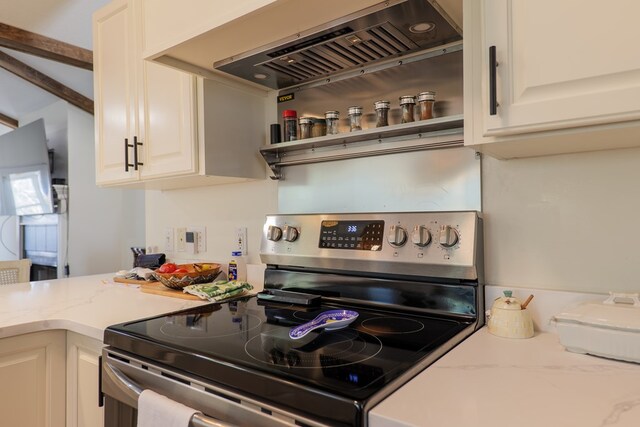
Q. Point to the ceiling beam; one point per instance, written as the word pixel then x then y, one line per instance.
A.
pixel 8 121
pixel 45 47
pixel 45 82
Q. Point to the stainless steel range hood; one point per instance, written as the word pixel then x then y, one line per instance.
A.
pixel 375 35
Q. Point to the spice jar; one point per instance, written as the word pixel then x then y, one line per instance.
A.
pixel 290 125
pixel 305 127
pixel 319 127
pixel 332 118
pixel 355 118
pixel 382 113
pixel 407 104
pixel 426 101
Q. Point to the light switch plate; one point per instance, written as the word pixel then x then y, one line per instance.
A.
pixel 168 239
pixel 181 235
pixel 201 238
pixel 241 240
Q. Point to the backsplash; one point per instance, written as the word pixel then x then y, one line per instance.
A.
pixel 566 222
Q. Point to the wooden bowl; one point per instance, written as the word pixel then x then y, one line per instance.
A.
pixel 204 272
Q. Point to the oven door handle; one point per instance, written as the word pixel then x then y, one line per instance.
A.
pixel 132 390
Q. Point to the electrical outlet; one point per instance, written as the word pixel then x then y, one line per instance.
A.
pixel 241 240
pixel 181 238
pixel 168 239
pixel 200 238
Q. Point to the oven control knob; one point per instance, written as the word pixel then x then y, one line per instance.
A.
pixel 274 233
pixel 421 236
pixel 290 233
pixel 448 236
pixel 397 236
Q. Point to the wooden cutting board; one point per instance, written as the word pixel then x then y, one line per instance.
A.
pixel 157 288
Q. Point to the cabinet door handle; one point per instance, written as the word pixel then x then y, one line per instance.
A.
pixel 135 145
pixel 127 165
pixel 493 97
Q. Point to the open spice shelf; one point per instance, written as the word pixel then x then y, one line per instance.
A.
pixel 441 132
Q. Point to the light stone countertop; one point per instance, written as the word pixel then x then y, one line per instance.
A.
pixel 500 382
pixel 86 305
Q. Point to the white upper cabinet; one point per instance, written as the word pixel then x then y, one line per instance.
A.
pixel 153 129
pixel 567 77
pixel 114 90
pixel 145 113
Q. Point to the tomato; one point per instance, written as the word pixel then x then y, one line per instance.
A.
pixel 167 267
pixel 181 270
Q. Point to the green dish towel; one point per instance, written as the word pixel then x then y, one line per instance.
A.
pixel 217 291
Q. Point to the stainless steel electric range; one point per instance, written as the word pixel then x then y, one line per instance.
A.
pixel 414 279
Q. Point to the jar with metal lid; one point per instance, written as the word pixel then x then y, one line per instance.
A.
pixel 355 118
pixel 305 127
pixel 332 118
pixel 382 113
pixel 407 104
pixel 319 127
pixel 426 101
pixel 290 118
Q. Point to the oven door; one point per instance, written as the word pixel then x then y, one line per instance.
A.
pixel 124 377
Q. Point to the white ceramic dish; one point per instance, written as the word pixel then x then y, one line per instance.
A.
pixel 609 329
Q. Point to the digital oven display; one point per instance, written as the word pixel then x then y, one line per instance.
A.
pixel 355 235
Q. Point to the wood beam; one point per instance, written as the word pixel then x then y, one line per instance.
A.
pixel 45 47
pixel 45 82
pixel 8 121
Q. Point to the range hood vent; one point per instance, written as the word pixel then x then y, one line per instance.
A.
pixel 403 28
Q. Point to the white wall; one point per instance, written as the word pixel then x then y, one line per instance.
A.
pixel 567 222
pixel 220 208
pixel 103 223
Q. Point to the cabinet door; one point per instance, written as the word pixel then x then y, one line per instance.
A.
pixel 169 134
pixel 82 381
pixel 32 382
pixel 561 64
pixel 114 91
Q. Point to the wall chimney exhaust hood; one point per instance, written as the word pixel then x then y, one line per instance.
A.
pixel 387 31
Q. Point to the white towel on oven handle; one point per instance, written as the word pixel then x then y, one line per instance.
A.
pixel 156 410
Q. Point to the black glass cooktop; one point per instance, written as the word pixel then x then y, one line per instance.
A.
pixel 244 345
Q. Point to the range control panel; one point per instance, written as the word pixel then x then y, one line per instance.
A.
pixel 409 242
pixel 358 235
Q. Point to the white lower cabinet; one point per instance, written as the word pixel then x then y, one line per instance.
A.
pixel 83 366
pixel 32 380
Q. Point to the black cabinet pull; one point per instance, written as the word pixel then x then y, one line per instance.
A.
pixel 135 145
pixel 126 155
pixel 493 97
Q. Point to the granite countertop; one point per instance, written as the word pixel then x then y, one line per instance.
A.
pixel 493 381
pixel 86 305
